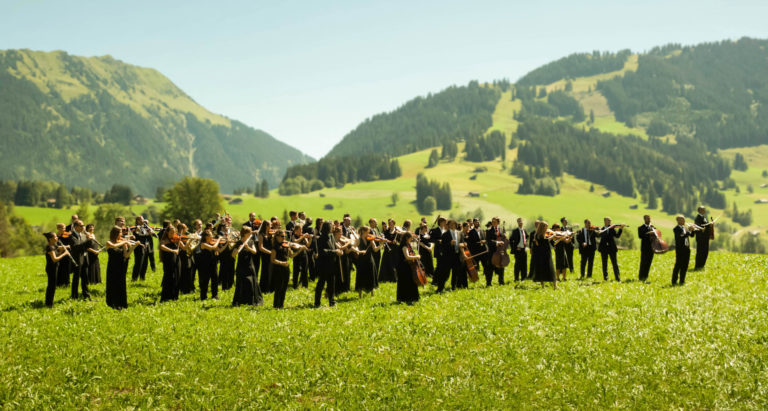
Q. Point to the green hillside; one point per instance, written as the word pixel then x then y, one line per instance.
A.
pixel 93 122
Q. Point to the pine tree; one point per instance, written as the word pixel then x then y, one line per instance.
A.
pixel 653 200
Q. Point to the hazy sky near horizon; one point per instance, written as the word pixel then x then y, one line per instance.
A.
pixel 309 72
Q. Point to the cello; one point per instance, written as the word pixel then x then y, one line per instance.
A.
pixel 500 258
pixel 419 275
pixel 470 263
pixel 658 245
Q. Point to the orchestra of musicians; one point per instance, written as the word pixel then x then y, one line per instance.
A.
pixel 264 257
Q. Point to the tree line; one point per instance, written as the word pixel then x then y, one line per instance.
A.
pixel 576 65
pixel 432 195
pixel 333 171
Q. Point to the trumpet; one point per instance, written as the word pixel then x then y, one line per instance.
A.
pixel 693 227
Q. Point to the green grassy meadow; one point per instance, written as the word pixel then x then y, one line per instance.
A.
pixel 589 344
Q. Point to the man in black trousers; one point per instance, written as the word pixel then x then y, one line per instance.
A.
pixel 682 251
pixel 608 249
pixel 78 251
pixel 646 233
pixel 702 239
pixel 492 238
pixel 435 236
pixel 567 245
pixel 519 241
pixel 587 240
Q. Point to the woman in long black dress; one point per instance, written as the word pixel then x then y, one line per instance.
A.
pixel 365 280
pixel 118 251
pixel 247 291
pixel 280 263
pixel 407 290
pixel 544 271
pixel 186 279
pixel 390 257
pixel 265 244
pixel 426 247
pixel 94 249
pixel 169 255
pixel 227 262
pixel 65 266
pixel 53 254
pixel 561 256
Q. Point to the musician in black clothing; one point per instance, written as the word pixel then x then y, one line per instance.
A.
pixel 646 233
pixel 568 246
pixel 519 242
pixel 587 240
pixel 435 235
pixel 141 234
pixel 493 240
pixel 328 263
pixel 682 250
pixel 532 234
pixel 251 223
pixel 449 255
pixel 476 244
pixel 314 269
pixel 702 239
pixel 293 215
pixel 71 225
pixel 608 249
pixel 78 250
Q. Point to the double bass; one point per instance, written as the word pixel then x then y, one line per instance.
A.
pixel 500 258
pixel 470 263
pixel 658 245
pixel 419 275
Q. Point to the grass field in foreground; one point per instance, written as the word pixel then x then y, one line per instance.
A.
pixel 587 345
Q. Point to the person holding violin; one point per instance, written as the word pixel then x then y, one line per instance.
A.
pixel 265 248
pixel 541 254
pixel 314 269
pixel 494 240
pixel 459 272
pixel 195 254
pixel 426 248
pixel 389 258
pixel 519 242
pixel 54 253
pixel 365 280
pixel 682 250
pixel 569 245
pixel 607 248
pixel 125 234
pixel 210 247
pixel 587 240
pixel 561 256
pixel 65 267
pixel 476 245
pixel 247 290
pixel 226 261
pixel 94 249
pixel 702 238
pixel 186 280
pixel 170 245
pixel 281 254
pixel 143 235
pixel 118 252
pixel 328 263
pixel 374 232
pixel 532 235
pixel 435 236
pixel 79 252
pixel 301 259
pixel 407 290
pixel 646 234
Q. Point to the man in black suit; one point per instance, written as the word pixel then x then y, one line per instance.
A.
pixel 608 248
pixel 493 241
pixel 587 240
pixel 682 250
pixel 532 234
pixel 702 239
pixel 78 251
pixel 70 225
pixel 449 255
pixel 646 233
pixel 568 245
pixel 435 235
pixel 251 223
pixel 476 245
pixel 293 215
pixel 519 241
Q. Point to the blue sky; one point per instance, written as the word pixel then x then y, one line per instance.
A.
pixel 309 72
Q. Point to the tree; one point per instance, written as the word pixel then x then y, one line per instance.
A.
pixel 429 205
pixel 83 212
pixel 5 240
pixel 394 197
pixel 104 218
pixel 193 198
pixel 159 193
pixel 591 116
pixel 569 86
pixel 63 198
pixel 739 163
pixel 8 190
pixel 433 159
pixel 119 193
pixel 264 188
pixel 653 198
pixel 765 173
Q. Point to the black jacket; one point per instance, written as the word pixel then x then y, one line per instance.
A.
pixel 517 237
pixel 581 238
pixel 645 234
pixel 473 242
pixel 608 240
pixel 682 245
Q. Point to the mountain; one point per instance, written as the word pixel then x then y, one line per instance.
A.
pixel 96 121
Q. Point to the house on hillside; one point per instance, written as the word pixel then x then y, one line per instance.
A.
pixel 140 200
pixel 474 194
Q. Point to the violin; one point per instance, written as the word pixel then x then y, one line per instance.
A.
pixel 65 234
